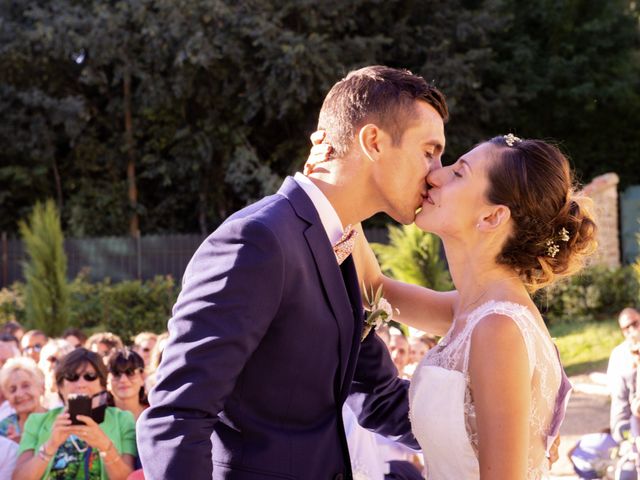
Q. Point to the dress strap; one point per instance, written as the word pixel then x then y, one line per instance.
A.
pixel 521 316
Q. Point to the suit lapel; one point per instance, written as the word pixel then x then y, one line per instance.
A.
pixel 334 285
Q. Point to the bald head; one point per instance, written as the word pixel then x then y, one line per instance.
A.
pixel 627 317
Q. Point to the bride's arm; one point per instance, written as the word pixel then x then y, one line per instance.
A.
pixel 501 387
pixel 419 307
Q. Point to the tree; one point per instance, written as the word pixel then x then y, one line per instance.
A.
pixel 47 291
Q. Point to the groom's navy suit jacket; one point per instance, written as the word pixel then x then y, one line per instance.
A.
pixel 264 349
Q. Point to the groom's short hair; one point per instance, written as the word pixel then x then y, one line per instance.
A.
pixel 377 94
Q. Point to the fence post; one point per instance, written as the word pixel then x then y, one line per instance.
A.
pixel 138 256
pixel 5 260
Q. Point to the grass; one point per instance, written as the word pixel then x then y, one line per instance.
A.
pixel 585 347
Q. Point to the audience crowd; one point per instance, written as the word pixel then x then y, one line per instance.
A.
pixel 39 376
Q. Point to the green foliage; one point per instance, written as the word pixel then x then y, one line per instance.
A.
pixel 636 268
pixel 413 256
pixel 585 347
pixel 132 307
pixel 225 93
pixel 12 304
pixel 47 292
pixel 124 308
pixel 596 293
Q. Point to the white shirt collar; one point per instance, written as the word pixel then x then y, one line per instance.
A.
pixel 328 216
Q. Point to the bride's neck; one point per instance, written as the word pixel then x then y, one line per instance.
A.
pixel 478 278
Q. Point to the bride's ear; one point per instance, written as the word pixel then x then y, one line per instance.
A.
pixel 495 218
pixel 369 141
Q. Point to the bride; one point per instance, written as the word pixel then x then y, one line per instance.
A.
pixel 487 401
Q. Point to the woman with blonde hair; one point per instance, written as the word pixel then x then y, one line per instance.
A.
pixel 22 383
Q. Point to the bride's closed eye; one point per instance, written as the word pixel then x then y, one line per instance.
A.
pixel 457 174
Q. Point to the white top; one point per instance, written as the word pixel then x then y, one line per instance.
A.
pixel 621 363
pixel 8 457
pixel 328 216
pixel 6 410
pixel 442 408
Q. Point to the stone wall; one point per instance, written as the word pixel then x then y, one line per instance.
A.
pixel 604 192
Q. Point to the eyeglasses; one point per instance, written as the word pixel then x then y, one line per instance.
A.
pixel 129 372
pixel 36 348
pixel 74 377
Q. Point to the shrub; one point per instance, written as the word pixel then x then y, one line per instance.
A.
pixel 413 256
pixel 47 293
pixel 132 307
pixel 12 304
pixel 124 308
pixel 596 293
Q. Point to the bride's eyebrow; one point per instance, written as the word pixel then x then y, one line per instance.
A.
pixel 463 161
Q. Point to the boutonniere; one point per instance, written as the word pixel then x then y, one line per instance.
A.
pixel 378 310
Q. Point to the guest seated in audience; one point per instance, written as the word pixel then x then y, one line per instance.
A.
pixel 22 383
pixel 9 348
pixel 126 381
pixel 143 344
pixel 51 447
pixel 621 376
pixel 399 349
pixel 50 356
pixel 75 337
pixel 156 358
pixel 14 329
pixel 32 342
pixel 104 344
pixel 418 348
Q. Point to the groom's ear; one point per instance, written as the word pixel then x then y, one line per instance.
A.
pixel 369 138
pixel 495 218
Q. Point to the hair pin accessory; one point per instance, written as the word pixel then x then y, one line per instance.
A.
pixel 552 247
pixel 511 139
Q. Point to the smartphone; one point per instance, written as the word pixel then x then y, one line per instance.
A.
pixel 78 405
pixel 99 404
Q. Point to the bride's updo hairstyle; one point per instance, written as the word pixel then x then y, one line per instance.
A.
pixel 553 229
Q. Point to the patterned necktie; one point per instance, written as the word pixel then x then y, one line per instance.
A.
pixel 343 247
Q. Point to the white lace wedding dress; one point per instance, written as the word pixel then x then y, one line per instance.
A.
pixel 442 410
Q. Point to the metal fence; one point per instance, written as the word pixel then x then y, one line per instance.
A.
pixel 121 258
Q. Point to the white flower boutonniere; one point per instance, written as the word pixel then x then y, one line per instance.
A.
pixel 378 310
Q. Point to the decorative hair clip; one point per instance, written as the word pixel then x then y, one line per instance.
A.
pixel 552 247
pixel 511 139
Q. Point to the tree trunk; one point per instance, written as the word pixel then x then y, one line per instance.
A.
pixel 134 225
pixel 56 177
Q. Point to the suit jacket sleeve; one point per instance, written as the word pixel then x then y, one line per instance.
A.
pixel 231 292
pixel 378 397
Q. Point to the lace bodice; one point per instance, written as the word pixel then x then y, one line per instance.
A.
pixel 452 355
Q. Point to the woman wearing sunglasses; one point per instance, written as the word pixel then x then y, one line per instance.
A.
pixel 126 381
pixel 51 447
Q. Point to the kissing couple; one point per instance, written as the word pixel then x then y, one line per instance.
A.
pixel 265 339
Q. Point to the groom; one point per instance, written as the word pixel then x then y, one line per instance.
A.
pixel 265 342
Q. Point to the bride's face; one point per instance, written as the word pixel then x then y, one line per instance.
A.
pixel 456 201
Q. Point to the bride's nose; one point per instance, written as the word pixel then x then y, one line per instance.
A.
pixel 434 179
